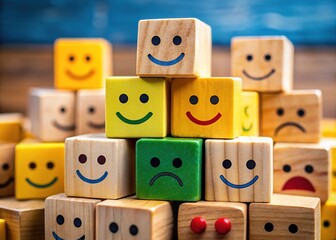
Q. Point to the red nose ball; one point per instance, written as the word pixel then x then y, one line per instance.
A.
pixel 223 226
pixel 198 225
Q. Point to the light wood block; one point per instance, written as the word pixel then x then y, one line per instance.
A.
pixel 264 63
pixel 328 218
pixel 250 113
pixel 99 167
pixel 134 219
pixel 2 229
pixel 70 218
pixel 90 111
pixel 292 117
pixel 206 220
pixel 206 107
pixel 11 127
pixel 24 219
pixel 180 47
pixel 39 170
pixel 137 107
pixel 7 156
pixel 303 169
pixel 286 217
pixel 52 114
pixel 329 127
pixel 239 170
pixel 81 63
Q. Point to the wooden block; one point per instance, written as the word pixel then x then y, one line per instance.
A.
pixel 134 219
pixel 206 107
pixel 81 63
pixel 292 117
pixel 2 229
pixel 239 170
pixel 137 107
pixel 7 157
pixel 333 167
pixel 24 219
pixel 11 127
pixel 69 218
pixel 264 63
pixel 250 113
pixel 39 170
pixel 286 217
pixel 52 114
pixel 303 169
pixel 212 221
pixel 174 48
pixel 328 218
pixel 99 167
pixel 90 111
pixel 169 169
pixel 329 127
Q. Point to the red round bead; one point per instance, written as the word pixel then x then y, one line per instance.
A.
pixel 223 225
pixel 198 225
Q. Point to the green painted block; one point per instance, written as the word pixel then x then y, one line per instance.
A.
pixel 169 169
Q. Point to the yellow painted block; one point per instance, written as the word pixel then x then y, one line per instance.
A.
pixel 11 127
pixel 329 127
pixel 39 170
pixel 206 107
pixel 82 63
pixel 2 229
pixel 328 219
pixel 250 113
pixel 333 167
pixel 137 107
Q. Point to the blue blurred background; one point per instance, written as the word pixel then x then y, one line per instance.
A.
pixel 305 22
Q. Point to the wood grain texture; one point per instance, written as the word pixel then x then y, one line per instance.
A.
pixel 152 219
pixel 236 213
pixel 24 219
pixel 174 48
pixel 7 157
pixel 282 213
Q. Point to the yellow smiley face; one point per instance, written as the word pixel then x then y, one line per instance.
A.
pixel 82 63
pixel 250 113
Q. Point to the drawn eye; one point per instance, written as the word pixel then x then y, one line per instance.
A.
pixel 91 110
pixel 62 109
pixel 300 112
pixel 250 164
pixel 326 223
pixel 50 165
pixel 177 40
pixel 193 99
pixel 155 162
pixel 268 57
pixel 82 158
pixel 101 160
pixel 293 228
pixel 156 40
pixel 309 169
pixel 227 164
pixel 32 165
pixel 123 98
pixel 249 57
pixel 71 58
pixel 133 230
pixel 5 167
pixel 144 98
pixel 88 58
pixel 177 162
pixel 114 227
pixel 286 168
pixel 280 112
pixel 268 227
pixel 77 222
pixel 60 219
pixel 214 99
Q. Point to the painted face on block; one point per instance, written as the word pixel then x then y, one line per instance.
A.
pixel 328 218
pixel 250 113
pixel 7 169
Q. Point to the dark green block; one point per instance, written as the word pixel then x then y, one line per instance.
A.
pixel 169 169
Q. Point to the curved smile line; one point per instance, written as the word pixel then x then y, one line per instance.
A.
pixel 166 63
pixel 63 128
pixel 91 181
pixel 286 124
pixel 134 122
pixel 259 78
pixel 41 185
pixel 168 174
pixel 201 122
pixel 5 184
pixel 96 125
pixel 239 186
pixel 59 238
pixel 248 128
pixel 80 77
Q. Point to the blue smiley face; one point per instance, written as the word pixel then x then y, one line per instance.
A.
pixel 77 222
pixel 101 161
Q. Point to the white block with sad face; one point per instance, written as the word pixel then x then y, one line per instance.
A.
pixel 174 48
pixel 264 63
pixel 52 114
pixel 239 170
pixel 99 167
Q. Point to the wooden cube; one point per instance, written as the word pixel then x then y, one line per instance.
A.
pixel 70 218
pixel 303 169
pixel 292 116
pixel 99 167
pixel 264 63
pixel 81 63
pixel 250 113
pixel 212 221
pixel 286 217
pixel 7 157
pixel 328 218
pixel 39 170
pixel 174 48
pixel 11 127
pixel 90 111
pixel 52 114
pixel 137 107
pixel 24 219
pixel 206 107
pixel 3 229
pixel 333 167
pixel 239 170
pixel 134 219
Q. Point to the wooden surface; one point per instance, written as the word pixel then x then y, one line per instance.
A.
pixel 24 66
